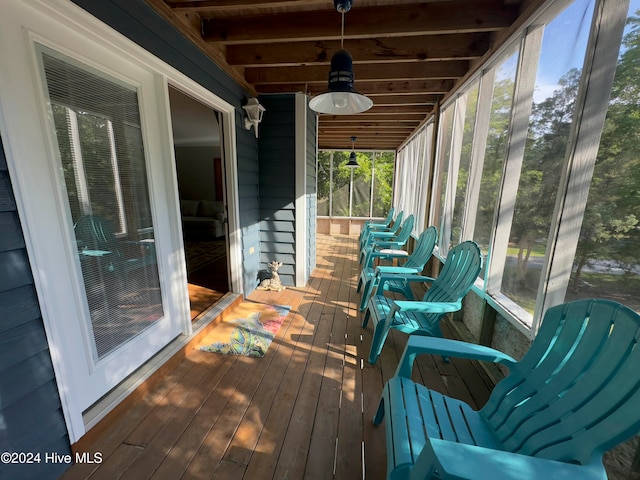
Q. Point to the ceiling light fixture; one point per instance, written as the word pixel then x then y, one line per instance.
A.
pixel 341 97
pixel 352 163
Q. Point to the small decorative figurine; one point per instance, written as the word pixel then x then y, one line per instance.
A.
pixel 273 282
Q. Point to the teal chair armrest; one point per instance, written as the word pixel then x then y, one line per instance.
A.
pixel 418 345
pixel 385 244
pixel 395 270
pixel 387 276
pixel 428 307
pixel 378 234
pixel 405 278
pixel 459 460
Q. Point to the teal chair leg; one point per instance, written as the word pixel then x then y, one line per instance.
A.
pixel 371 284
pixel 380 334
pixel 365 320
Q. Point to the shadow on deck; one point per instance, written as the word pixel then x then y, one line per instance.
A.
pixel 302 411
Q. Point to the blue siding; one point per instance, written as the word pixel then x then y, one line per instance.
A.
pixel 140 23
pixel 31 418
pixel 278 184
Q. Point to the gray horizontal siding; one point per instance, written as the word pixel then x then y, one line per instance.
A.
pixel 31 418
pixel 277 185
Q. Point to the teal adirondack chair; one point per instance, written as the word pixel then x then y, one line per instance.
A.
pixel 370 225
pixel 460 270
pixel 382 233
pixel 414 264
pixel 394 242
pixel 96 238
pixel 573 396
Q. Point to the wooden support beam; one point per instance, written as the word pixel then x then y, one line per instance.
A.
pixel 367 72
pixel 364 22
pixel 429 87
pixel 462 46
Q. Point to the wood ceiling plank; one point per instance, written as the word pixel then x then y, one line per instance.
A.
pixel 429 87
pixel 365 22
pixel 371 117
pixel 415 99
pixel 463 46
pixel 365 72
pixel 217 6
pixel 392 124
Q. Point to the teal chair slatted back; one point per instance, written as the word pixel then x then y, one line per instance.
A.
pixel 370 225
pixel 396 241
pixel 576 392
pixel 423 249
pixel 460 270
pixel 405 230
pixel 386 222
pixel 96 233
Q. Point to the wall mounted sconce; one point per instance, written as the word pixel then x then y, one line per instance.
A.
pixel 254 114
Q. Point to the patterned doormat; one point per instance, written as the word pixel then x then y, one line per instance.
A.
pixel 249 331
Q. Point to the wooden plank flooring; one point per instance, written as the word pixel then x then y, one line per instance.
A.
pixel 302 411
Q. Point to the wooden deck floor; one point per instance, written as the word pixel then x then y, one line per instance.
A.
pixel 302 411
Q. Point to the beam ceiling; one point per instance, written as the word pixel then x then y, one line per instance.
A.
pixel 407 54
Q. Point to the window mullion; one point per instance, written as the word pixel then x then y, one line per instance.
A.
pixel 454 165
pixel 481 133
pixel 331 184
pixel 522 105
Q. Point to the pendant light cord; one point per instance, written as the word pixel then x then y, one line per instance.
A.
pixel 342 33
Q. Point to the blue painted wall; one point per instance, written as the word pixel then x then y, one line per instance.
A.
pixel 277 183
pixel 31 418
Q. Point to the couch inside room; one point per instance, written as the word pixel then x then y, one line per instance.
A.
pixel 202 219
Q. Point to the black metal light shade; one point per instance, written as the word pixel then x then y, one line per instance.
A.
pixel 341 98
pixel 352 163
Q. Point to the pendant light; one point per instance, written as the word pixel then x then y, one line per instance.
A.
pixel 352 163
pixel 341 97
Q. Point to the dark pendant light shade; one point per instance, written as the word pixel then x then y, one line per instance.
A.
pixel 341 98
pixel 352 163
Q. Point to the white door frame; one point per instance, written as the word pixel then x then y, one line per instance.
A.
pixel 28 149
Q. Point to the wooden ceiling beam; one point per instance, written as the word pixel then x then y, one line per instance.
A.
pixel 444 70
pixel 185 24
pixel 380 144
pixel 365 22
pixel 392 125
pixel 462 46
pixel 414 99
pixel 215 6
pixel 429 87
pixel 416 117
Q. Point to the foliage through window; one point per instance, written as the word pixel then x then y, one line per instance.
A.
pixel 363 191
